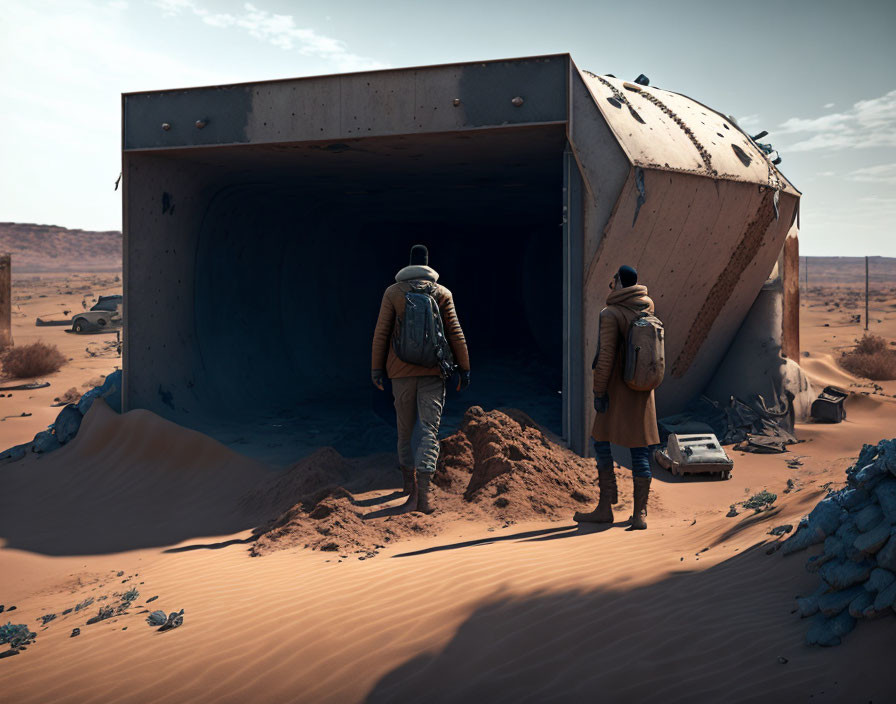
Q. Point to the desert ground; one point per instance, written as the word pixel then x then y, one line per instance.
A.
pixel 497 597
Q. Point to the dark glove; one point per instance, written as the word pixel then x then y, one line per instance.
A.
pixel 376 376
pixel 601 403
pixel 463 380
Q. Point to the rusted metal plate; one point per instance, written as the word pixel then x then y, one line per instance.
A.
pixel 790 276
pixel 659 129
pixel 703 248
pixel 526 91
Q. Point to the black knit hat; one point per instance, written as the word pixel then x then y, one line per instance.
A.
pixel 419 255
pixel 627 276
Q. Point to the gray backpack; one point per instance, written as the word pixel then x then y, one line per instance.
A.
pixel 645 353
pixel 421 337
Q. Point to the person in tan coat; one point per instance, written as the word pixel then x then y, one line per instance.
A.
pixel 419 392
pixel 624 416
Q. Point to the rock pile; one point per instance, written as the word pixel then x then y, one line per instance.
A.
pixel 18 636
pixel 857 566
pixel 67 423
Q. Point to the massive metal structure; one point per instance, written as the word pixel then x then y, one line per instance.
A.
pixel 262 222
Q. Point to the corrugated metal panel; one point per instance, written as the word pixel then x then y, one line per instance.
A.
pixel 659 129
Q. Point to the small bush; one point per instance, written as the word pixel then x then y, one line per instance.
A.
pixel 761 500
pixel 31 360
pixel 70 396
pixel 871 358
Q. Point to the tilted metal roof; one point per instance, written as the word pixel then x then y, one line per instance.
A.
pixel 659 129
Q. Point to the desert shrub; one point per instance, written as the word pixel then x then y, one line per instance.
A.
pixel 36 359
pixel 871 358
pixel 761 500
pixel 70 396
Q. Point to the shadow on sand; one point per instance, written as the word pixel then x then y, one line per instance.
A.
pixel 698 636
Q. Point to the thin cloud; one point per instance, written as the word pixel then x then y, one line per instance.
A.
pixel 748 122
pixel 883 173
pixel 828 106
pixel 868 123
pixel 278 30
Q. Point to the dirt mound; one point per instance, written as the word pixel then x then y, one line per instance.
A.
pixel 499 467
pixel 503 462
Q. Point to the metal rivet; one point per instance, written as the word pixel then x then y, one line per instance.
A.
pixel 517 101
pixel 166 126
pixel 200 124
pixel 455 102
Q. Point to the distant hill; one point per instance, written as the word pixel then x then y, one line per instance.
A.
pixel 48 248
pixel 847 270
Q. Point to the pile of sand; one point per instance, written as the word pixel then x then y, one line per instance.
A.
pixel 499 467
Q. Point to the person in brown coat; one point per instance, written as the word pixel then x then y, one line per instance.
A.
pixel 624 416
pixel 419 392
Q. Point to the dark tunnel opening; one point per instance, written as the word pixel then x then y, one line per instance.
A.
pixel 290 272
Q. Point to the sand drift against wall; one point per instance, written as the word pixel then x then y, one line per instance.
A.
pixel 137 480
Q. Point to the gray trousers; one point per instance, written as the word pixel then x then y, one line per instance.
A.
pixel 420 397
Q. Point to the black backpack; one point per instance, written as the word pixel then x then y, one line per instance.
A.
pixel 421 337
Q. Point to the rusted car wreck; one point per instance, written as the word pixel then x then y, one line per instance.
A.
pixel 262 220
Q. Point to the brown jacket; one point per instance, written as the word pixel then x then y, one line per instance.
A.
pixel 630 420
pixel 392 309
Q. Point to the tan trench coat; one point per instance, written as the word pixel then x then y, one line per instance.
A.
pixel 630 420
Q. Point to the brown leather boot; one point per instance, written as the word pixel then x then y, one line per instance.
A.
pixel 410 480
pixel 606 482
pixel 424 492
pixel 639 508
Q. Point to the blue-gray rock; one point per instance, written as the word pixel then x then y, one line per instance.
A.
pixel 802 539
pixel 886 556
pixel 853 499
pixel 868 517
pixel 827 632
pixel 887 454
pixel 67 423
pixel 111 390
pixel 826 516
pixel 848 533
pixel 834 548
pixel 833 603
pixel 87 400
pixel 814 563
pixel 872 541
pixel 808 605
pixel 823 521
pixel 869 475
pixel 867 455
pixel 16 452
pixel 886 497
pixel 45 441
pixel 885 598
pixel 841 574
pixel 880 579
pixel 858 607
pixel 156 618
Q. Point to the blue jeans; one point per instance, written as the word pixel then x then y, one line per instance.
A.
pixel 640 457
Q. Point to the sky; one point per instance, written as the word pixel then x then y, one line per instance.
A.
pixel 818 75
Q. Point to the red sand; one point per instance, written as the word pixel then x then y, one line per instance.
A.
pixel 691 610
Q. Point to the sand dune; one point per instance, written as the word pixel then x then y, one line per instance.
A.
pixel 691 610
pixel 465 608
pixel 125 482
